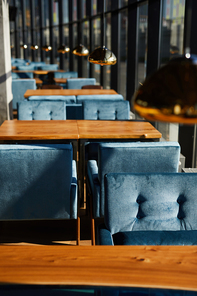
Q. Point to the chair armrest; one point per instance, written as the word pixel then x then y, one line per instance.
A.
pixel 92 169
pixel 104 236
pixel 73 192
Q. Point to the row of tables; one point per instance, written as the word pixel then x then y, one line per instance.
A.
pixel 165 267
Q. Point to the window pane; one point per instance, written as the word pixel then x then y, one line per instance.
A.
pixel 96 43
pixel 94 7
pixel 74 10
pixel 55 13
pixel 123 54
pixel 66 11
pixel 75 42
pixel 172 29
pixel 142 43
pixel 171 45
pixel 107 69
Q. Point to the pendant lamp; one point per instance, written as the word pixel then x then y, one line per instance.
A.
pixel 170 94
pixel 63 49
pixel 24 46
pixel 102 55
pixel 80 50
pixel 34 47
pixel 47 48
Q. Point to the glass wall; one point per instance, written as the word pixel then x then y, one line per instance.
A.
pixel 131 67
pixel 172 32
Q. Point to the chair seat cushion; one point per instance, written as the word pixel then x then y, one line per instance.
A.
pixel 184 237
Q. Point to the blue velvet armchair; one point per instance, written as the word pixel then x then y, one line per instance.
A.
pixel 19 87
pixel 106 109
pixel 149 209
pixel 77 83
pixel 133 157
pixel 41 110
pixel 38 181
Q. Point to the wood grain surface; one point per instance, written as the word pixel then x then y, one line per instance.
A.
pixel 38 130
pixel 116 129
pixel 76 129
pixel 173 267
pixel 67 92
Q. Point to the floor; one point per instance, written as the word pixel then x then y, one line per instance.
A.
pixel 45 232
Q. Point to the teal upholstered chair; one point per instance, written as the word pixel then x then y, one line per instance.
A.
pixel 26 67
pixel 133 157
pixel 82 98
pixel 73 110
pixel 22 75
pixel 150 209
pixel 48 67
pixel 68 74
pixel 66 99
pixel 77 83
pixel 41 110
pixel 106 109
pixel 38 181
pixel 19 87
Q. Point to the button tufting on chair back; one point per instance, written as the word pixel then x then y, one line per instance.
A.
pixel 41 110
pixel 106 110
pixel 151 208
pixel 77 83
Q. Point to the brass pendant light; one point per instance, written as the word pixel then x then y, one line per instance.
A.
pixel 24 46
pixel 34 47
pixel 47 48
pixel 63 49
pixel 170 94
pixel 80 50
pixel 102 55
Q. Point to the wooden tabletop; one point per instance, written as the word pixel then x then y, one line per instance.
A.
pixel 60 80
pixel 64 80
pixel 38 130
pixel 67 92
pixel 38 72
pixel 168 267
pixel 116 129
pixel 76 129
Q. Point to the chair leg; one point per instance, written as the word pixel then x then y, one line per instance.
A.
pixel 78 231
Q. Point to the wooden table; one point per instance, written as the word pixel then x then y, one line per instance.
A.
pixel 16 130
pixel 116 129
pixel 37 72
pixel 68 92
pixel 168 267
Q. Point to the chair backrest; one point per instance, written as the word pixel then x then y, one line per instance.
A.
pixel 106 110
pixel 19 87
pixel 77 83
pixel 147 202
pixel 48 67
pixel 66 99
pixel 92 87
pixel 26 67
pixel 68 74
pixel 82 98
pixel 41 110
pixel 36 182
pixel 51 86
pixel 136 157
pixel 25 75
